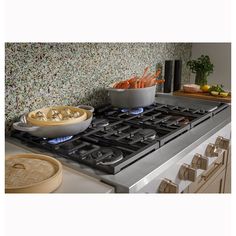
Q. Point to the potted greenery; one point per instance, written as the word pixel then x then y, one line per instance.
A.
pixel 202 67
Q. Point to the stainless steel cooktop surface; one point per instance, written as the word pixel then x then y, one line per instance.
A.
pixel 127 149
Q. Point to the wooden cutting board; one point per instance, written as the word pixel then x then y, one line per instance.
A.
pixel 201 95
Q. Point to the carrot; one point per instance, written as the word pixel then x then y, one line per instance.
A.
pixel 153 81
pixel 121 85
pixel 117 85
pixel 125 85
pixel 132 85
pixel 145 71
pixel 132 79
pixel 148 76
pixel 160 81
pixel 142 84
pixel 146 80
pixel 157 73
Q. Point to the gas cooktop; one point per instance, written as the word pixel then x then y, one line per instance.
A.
pixel 117 138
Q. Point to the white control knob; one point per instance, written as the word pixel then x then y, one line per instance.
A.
pixel 199 162
pixel 167 186
pixel 187 172
pixel 222 143
pixel 212 150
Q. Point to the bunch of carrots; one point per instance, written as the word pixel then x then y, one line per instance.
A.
pixel 146 80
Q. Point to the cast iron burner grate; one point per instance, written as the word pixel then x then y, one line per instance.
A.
pixel 108 156
pixel 157 113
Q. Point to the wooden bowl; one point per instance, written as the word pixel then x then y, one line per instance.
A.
pixel 33 121
pixel 32 173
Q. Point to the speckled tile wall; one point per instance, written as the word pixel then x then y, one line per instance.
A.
pixel 46 74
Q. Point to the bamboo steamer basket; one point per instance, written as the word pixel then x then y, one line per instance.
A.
pixel 30 117
pixel 32 173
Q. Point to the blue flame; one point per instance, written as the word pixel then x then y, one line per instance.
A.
pixel 134 111
pixel 59 140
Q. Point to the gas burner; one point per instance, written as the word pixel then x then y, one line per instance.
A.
pixel 150 134
pixel 107 156
pixel 59 140
pixel 135 111
pixel 100 123
pixel 140 136
pixel 185 121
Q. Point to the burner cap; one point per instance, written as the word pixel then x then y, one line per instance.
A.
pixel 134 111
pixel 107 156
pixel 185 121
pixel 100 123
pixel 150 134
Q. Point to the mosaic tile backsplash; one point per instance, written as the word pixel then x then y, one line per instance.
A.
pixel 46 74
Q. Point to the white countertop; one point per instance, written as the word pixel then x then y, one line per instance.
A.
pixel 73 181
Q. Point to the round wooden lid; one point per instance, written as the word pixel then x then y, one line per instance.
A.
pixel 57 115
pixel 32 173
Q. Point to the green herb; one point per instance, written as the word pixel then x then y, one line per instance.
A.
pixel 217 88
pixel 202 65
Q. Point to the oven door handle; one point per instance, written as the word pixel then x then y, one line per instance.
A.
pixel 217 166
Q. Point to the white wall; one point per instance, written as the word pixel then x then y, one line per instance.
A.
pixel 220 55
